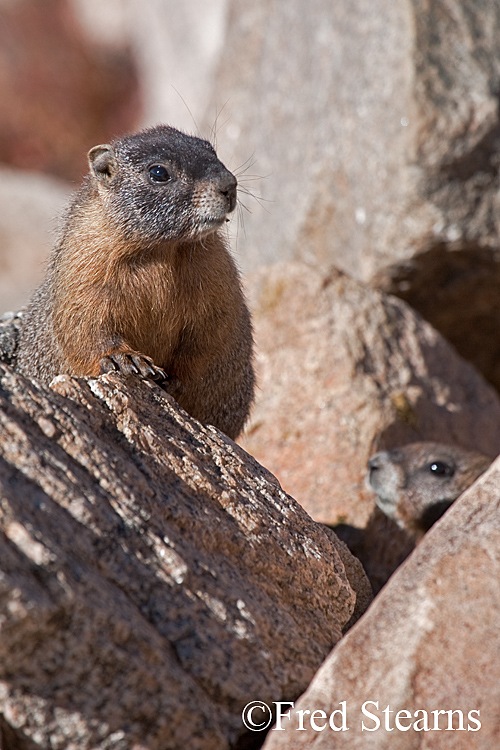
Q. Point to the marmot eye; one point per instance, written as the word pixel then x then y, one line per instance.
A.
pixel 159 173
pixel 441 469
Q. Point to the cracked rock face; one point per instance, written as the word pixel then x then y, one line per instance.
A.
pixel 155 578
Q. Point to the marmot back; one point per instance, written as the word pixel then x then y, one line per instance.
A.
pixel 141 280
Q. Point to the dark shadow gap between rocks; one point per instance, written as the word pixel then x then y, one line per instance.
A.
pixel 456 288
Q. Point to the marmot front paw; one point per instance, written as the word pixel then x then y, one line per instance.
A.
pixel 133 363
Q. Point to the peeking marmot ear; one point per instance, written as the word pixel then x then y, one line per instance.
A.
pixel 102 162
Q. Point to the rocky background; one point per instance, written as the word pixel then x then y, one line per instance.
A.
pixel 155 577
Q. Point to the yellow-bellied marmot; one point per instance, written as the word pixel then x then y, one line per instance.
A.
pixel 141 280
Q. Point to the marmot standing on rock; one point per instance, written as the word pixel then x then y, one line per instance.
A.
pixel 141 280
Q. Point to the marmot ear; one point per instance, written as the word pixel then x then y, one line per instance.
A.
pixel 102 162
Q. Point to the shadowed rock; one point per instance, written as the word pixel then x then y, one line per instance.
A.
pixel 155 578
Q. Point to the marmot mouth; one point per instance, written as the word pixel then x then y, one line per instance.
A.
pixel 209 224
pixel 386 506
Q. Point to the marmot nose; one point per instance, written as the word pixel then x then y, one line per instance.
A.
pixel 374 462
pixel 228 187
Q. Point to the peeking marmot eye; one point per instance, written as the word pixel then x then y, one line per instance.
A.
pixel 441 469
pixel 159 173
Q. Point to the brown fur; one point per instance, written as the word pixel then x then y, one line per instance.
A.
pixel 415 484
pixel 175 299
pixel 411 496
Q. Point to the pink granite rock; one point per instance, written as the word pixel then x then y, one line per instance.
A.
pixel 345 371
pixel 428 646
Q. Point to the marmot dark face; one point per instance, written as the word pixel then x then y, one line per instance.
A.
pixel 416 484
pixel 163 185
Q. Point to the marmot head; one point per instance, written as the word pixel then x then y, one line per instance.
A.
pixel 417 483
pixel 163 185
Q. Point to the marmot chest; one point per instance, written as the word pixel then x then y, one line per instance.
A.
pixel 169 322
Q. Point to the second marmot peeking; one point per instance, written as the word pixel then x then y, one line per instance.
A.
pixel 141 280
pixel 417 483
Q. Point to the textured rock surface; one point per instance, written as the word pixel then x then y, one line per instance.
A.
pixel 30 204
pixel 377 129
pixel 155 578
pixel 345 371
pixel 429 642
pixel 10 328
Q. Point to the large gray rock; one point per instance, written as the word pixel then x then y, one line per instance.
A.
pixel 177 47
pixel 429 643
pixel 377 129
pixel 155 578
